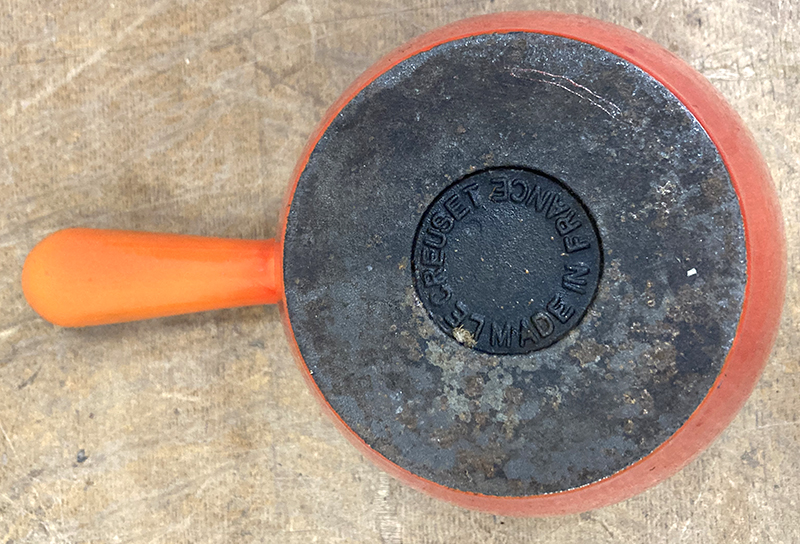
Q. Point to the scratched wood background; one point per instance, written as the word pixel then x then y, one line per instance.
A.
pixel 188 116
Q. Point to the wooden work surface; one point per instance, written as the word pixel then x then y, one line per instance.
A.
pixel 188 117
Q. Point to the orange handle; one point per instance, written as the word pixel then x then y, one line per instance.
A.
pixel 81 277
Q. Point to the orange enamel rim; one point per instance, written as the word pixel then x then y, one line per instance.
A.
pixel 764 241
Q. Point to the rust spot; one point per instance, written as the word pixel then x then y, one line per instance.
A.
pixel 463 336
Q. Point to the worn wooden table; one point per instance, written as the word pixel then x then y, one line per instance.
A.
pixel 188 117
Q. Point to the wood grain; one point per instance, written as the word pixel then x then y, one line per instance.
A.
pixel 188 117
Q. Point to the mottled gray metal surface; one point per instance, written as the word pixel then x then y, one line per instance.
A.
pixel 651 344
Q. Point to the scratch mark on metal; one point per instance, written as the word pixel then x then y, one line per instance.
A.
pixel 581 91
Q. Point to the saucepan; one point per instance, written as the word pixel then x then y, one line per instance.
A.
pixel 529 263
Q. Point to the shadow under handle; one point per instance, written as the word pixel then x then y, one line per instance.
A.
pixel 82 277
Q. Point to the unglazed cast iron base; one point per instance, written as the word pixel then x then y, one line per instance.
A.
pixel 523 267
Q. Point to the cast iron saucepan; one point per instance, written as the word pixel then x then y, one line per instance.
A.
pixel 530 263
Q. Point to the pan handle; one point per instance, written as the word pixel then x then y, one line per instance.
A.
pixel 82 277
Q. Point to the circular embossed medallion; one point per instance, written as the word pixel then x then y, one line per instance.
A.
pixel 506 261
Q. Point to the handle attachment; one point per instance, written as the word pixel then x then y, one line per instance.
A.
pixel 82 277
